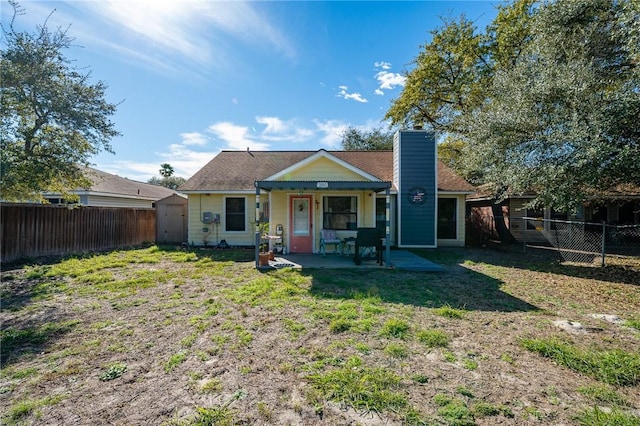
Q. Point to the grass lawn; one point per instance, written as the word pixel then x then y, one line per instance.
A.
pixel 172 337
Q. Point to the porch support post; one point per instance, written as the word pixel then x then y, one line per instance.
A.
pixel 257 253
pixel 387 231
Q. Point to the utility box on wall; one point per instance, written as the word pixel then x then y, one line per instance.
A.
pixel 415 175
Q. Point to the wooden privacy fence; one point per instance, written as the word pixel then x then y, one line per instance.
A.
pixel 35 230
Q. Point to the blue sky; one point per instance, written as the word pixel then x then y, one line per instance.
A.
pixel 196 77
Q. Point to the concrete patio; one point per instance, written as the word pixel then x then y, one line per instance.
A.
pixel 400 259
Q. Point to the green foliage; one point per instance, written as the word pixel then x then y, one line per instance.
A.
pixel 19 411
pixel 453 410
pixel 447 80
pixel 354 139
pixel 615 367
pixel 598 417
pixel 450 152
pixel 633 323
pixel 113 372
pixel 545 100
pixel 449 312
pixel 541 131
pixel 420 378
pixel 395 328
pixel 340 325
pixel 52 118
pixel 368 389
pixel 167 180
pixel 210 386
pixel 433 338
pixel 15 340
pixel 603 394
pixel 172 182
pixel 396 350
pixel 174 361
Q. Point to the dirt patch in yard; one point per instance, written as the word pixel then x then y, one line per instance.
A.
pixel 167 336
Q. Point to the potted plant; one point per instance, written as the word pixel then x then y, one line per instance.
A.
pixel 264 255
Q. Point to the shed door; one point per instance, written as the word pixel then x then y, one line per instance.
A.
pixel 171 224
pixel 301 224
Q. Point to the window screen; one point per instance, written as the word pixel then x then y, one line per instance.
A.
pixel 235 214
pixel 340 213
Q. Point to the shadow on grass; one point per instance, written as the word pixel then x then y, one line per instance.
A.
pixel 547 260
pixel 215 254
pixel 461 288
pixel 23 338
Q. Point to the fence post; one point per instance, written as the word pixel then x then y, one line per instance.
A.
pixel 524 234
pixel 604 232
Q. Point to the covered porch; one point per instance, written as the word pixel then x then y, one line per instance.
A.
pixel 398 259
pixel 300 211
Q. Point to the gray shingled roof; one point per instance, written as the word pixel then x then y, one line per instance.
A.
pixel 238 170
pixel 106 183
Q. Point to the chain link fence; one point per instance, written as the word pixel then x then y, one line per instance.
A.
pixel 584 242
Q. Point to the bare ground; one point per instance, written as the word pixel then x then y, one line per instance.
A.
pixel 205 332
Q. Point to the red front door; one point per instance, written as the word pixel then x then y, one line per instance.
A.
pixel 301 224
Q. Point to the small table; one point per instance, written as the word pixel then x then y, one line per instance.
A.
pixel 347 243
pixel 275 243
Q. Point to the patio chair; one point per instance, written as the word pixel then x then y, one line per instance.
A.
pixel 328 237
pixel 368 238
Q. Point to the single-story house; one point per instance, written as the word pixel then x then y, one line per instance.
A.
pixel 418 200
pixel 108 190
pixel 502 221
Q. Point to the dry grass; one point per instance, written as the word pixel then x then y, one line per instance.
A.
pixel 155 336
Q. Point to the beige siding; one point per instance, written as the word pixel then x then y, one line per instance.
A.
pixel 106 201
pixel 278 202
pixel 324 169
pixel 214 203
pixel 279 214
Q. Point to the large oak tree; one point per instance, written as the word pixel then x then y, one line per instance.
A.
pixel 547 99
pixel 52 117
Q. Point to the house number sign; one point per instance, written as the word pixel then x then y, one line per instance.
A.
pixel 417 195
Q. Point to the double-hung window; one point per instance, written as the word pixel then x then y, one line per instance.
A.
pixel 235 214
pixel 340 213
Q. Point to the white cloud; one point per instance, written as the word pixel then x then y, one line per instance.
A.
pixel 184 160
pixel 192 30
pixel 343 93
pixel 274 124
pixel 133 170
pixel 382 65
pixel 387 80
pixel 187 160
pixel 331 132
pixel 236 137
pixel 193 138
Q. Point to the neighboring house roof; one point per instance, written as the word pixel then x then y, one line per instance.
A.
pixel 238 170
pixel 107 184
pixel 620 192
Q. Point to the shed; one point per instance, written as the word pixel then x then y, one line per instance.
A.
pixel 171 219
